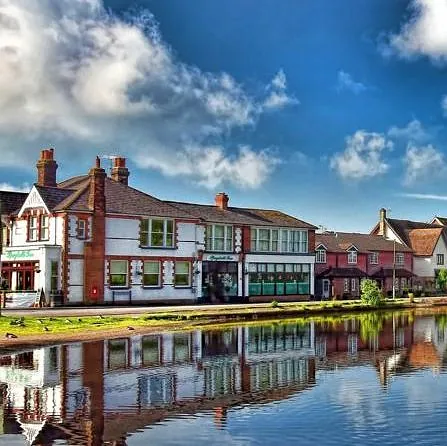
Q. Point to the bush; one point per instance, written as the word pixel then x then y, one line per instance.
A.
pixel 371 294
pixel 441 279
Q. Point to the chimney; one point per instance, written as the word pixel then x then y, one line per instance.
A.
pixel 221 201
pixel 382 219
pixel 120 172
pixel 96 197
pixel 46 169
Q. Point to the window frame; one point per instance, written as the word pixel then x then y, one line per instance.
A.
pixel 440 256
pixel 188 275
pixel 399 258
pixel 33 231
pixel 282 240
pixel 346 285
pixel 158 285
pixel 54 275
pixel 43 227
pixel 210 238
pixel 81 234
pixel 127 284
pixel 320 252
pixel 149 233
pixel 352 252
pixel 354 285
pixel 374 256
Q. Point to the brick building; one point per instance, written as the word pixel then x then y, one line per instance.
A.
pixel 98 240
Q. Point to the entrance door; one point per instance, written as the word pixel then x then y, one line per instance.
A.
pixel 220 281
pixel 326 288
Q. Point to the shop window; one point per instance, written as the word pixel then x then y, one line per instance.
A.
pixel 151 274
pixel 119 273
pixel 44 227
pixel 182 274
pixel 157 233
pixel 219 238
pixel 33 228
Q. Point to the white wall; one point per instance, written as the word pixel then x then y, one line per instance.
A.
pixel 425 266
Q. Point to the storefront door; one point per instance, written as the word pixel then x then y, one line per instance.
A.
pixel 219 281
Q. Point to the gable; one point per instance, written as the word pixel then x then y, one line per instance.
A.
pixel 320 246
pixel 34 200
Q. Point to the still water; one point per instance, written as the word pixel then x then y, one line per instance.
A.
pixel 368 380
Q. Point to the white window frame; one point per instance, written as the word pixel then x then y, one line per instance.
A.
pixel 44 230
pixel 374 258
pixel 189 274
pixel 151 274
pixel 320 255
pixel 352 256
pixel 33 228
pixel 346 286
pixel 353 284
pixel 282 240
pixel 82 228
pixel 210 241
pixel 165 233
pixel 400 258
pixel 111 262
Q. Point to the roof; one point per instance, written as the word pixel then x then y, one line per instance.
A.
pixel 342 241
pixel 52 196
pixel 421 237
pixel 343 272
pixel 11 201
pixel 388 272
pixel 441 220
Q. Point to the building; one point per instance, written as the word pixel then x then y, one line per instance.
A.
pixel 93 239
pixel 344 259
pixel 428 241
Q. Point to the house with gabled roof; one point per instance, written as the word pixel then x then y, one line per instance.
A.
pixel 428 241
pixel 343 259
pixel 94 239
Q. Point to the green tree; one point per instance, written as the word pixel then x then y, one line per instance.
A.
pixel 441 279
pixel 371 294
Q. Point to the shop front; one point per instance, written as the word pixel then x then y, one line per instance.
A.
pixel 221 278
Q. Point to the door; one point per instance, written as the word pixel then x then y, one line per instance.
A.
pixel 326 288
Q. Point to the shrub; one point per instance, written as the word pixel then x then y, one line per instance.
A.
pixel 371 294
pixel 441 279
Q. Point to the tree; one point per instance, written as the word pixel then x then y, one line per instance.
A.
pixel 371 294
pixel 441 279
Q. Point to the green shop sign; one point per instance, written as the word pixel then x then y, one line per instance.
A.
pixel 19 255
pixel 221 258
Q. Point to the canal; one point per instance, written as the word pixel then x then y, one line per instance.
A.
pixel 373 379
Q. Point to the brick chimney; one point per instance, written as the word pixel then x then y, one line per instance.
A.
pixel 120 172
pixel 46 168
pixel 221 201
pixel 94 250
pixel 382 219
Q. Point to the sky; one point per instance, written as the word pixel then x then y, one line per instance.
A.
pixel 325 110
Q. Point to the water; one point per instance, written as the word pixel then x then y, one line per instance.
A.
pixel 367 380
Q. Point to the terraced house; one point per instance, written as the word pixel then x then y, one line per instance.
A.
pixel 98 240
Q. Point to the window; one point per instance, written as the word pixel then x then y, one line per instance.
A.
pixel 32 228
pixel 119 271
pixel 320 256
pixel 346 286
pixel 151 273
pixel 400 259
pixel 274 240
pixel 157 233
pixel 54 276
pixel 439 259
pixel 353 285
pixel 82 228
pixel 219 238
pixel 374 258
pixel 182 274
pixel 352 256
pixel 44 227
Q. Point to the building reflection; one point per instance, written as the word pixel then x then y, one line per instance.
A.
pixel 102 392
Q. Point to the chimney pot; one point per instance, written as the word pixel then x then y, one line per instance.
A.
pixel 46 168
pixel 221 200
pixel 120 172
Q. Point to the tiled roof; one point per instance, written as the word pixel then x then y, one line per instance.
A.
pixel 52 196
pixel 11 201
pixel 421 237
pixel 388 272
pixel 441 220
pixel 342 241
pixel 342 272
pixel 73 183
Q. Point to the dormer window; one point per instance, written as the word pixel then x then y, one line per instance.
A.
pixel 320 255
pixel 352 256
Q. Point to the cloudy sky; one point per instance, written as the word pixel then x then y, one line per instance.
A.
pixel 326 110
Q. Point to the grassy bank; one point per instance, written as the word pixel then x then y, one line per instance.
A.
pixel 19 330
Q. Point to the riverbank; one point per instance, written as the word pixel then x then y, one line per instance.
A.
pixel 42 327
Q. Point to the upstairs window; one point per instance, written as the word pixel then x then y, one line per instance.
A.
pixel 320 256
pixel 81 230
pixel 33 228
pixel 400 258
pixel 219 238
pixel 44 227
pixel 352 256
pixel 374 258
pixel 439 259
pixel 157 233
pixel 119 273
pixel 275 240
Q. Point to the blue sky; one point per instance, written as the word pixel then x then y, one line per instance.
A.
pixel 326 110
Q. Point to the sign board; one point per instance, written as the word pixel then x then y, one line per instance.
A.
pixel 221 257
pixel 20 254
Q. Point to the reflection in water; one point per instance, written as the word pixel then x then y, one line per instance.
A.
pixel 104 392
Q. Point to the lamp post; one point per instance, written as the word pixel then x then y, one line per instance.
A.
pixel 394 269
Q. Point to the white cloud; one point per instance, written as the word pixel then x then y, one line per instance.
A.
pixel 362 157
pixel 424 33
pixel 425 196
pixel 413 131
pixel 423 162
pixel 73 75
pixel 11 188
pixel 346 82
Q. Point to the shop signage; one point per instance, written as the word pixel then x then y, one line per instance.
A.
pixel 221 258
pixel 22 254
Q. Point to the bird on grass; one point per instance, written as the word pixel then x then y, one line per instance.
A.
pixel 101 316
pixel 130 328
pixel 68 321
pixel 46 328
pixel 10 336
pixel 39 321
pixel 79 319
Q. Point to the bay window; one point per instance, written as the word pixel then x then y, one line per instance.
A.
pixel 157 233
pixel 151 273
pixel 219 238
pixel 275 240
pixel 119 273
pixel 182 276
